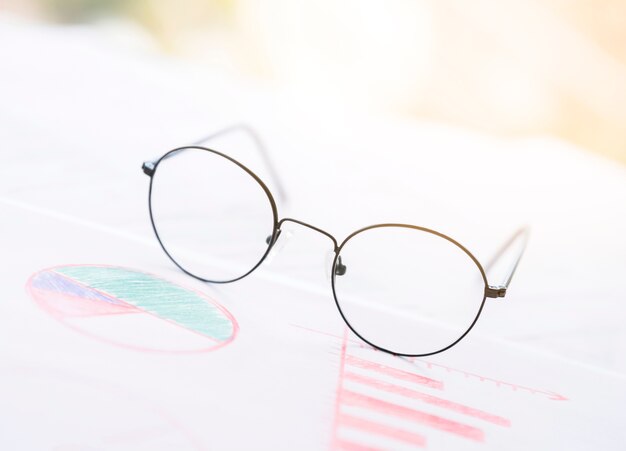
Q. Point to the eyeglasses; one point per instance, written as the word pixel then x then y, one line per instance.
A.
pixel 403 289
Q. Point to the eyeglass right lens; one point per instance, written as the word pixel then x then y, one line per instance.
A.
pixel 407 290
pixel 211 216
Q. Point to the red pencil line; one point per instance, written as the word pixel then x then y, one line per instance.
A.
pixel 429 399
pixel 551 395
pixel 394 372
pixel 354 399
pixel 383 430
pixel 496 382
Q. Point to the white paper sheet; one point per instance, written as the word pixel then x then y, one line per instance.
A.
pixel 287 374
pixel 267 363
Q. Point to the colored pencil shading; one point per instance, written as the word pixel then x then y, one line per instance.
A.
pixel 82 295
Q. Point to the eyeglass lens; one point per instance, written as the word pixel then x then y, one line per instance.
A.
pixel 407 290
pixel 211 216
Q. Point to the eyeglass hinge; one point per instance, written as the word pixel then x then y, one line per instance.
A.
pixel 495 291
pixel 148 168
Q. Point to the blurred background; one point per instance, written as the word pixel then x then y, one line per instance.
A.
pixel 506 67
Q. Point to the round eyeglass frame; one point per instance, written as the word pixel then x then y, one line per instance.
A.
pixel 337 248
pixel 422 229
pixel 275 229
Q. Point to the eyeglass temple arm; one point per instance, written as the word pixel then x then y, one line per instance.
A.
pixel 499 291
pixel 149 166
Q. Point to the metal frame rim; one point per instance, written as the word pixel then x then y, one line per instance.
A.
pixel 275 229
pixel 423 229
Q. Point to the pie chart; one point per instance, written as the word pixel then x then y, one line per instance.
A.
pixel 132 309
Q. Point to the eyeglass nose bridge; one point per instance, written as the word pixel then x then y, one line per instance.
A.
pixel 340 268
pixel 312 227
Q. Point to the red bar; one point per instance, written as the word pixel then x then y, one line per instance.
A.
pixel 429 399
pixel 354 399
pixel 394 372
pixel 381 429
pixel 351 446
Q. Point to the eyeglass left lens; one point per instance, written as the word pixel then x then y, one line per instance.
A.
pixel 211 215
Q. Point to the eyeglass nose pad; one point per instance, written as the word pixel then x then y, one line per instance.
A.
pixel 279 245
pixel 340 268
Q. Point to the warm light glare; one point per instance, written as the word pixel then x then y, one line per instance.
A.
pixel 508 67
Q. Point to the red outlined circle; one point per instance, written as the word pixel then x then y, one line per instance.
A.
pixel 47 298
